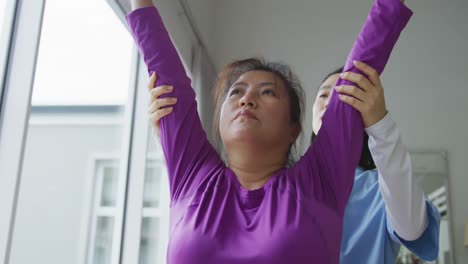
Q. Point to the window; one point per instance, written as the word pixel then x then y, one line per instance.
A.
pixel 104 211
pixel 152 250
pixel 80 106
pixel 105 178
pixel 55 191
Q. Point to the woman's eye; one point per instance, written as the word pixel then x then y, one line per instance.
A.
pixel 234 91
pixel 268 92
pixel 323 95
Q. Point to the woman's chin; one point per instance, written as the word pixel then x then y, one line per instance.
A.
pixel 245 133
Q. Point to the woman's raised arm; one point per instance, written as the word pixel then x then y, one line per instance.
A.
pixel 185 145
pixel 335 153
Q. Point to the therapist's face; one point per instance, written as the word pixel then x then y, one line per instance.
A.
pixel 321 101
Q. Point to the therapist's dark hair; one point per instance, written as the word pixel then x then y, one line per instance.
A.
pixel 366 161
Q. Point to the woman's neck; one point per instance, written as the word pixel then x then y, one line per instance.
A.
pixel 254 168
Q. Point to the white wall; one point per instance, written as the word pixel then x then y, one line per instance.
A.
pixel 203 13
pixel 425 80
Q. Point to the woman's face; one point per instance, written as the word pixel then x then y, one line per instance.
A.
pixel 321 101
pixel 257 109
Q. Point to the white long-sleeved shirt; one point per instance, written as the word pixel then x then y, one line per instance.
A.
pixel 404 200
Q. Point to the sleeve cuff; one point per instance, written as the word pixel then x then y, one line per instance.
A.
pixel 381 127
pixel 426 246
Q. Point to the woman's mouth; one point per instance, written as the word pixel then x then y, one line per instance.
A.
pixel 246 113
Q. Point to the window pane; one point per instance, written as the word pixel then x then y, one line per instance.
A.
pixel 152 186
pixel 149 240
pixel 109 186
pixel 79 99
pixel 103 240
pixel 84 56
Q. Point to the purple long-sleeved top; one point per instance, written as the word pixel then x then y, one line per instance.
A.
pixel 297 216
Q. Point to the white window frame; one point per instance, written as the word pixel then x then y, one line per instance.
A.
pixel 91 207
pixel 5 40
pixel 135 212
pixel 15 104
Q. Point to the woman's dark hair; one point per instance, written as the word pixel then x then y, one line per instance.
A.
pixel 231 72
pixel 366 162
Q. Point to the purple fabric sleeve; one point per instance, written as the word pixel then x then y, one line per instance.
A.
pixel 335 153
pixel 329 164
pixel 188 153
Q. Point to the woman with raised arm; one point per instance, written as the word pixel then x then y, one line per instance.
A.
pixel 386 203
pixel 255 209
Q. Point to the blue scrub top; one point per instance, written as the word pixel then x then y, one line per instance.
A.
pixel 367 235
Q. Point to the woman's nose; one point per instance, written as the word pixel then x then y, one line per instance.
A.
pixel 248 100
